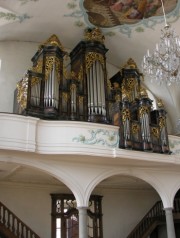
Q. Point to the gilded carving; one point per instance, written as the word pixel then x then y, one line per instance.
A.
pixel 125 115
pixel 53 40
pixel 118 98
pixel 160 103
pixel 80 74
pixel 135 128
pixel 65 96
pixel 34 80
pixel 22 92
pixel 91 57
pixel 130 64
pixel 155 132
pixel 143 110
pixel 50 61
pixel 125 93
pixel 162 122
pixel 72 87
pixel 94 34
pixel 81 99
pixel 38 67
pixel 143 92
pixel 128 85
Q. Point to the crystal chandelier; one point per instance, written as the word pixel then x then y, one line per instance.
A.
pixel 163 65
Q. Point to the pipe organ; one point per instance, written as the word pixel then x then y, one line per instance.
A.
pixel 80 90
pixel 141 127
pixel 88 61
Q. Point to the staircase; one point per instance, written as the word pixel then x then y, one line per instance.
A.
pixel 12 227
pixel 152 219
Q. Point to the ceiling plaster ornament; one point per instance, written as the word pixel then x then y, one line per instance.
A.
pixel 27 1
pixel 7 16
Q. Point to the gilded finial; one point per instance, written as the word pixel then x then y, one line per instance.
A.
pixel 160 103
pixel 130 64
pixel 143 92
pixel 53 40
pixel 94 34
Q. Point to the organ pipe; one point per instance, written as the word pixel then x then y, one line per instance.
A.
pixel 95 84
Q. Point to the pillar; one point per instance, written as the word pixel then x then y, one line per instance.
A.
pixel 170 223
pixel 83 231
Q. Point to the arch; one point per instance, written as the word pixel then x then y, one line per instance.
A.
pixel 154 182
pixel 174 190
pixel 61 175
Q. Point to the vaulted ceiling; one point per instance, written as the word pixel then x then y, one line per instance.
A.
pixel 130 28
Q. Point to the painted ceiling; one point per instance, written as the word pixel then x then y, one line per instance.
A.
pixel 130 28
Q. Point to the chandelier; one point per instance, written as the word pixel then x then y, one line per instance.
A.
pixel 163 65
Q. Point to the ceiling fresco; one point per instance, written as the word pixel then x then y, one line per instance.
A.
pixel 122 15
pixel 110 13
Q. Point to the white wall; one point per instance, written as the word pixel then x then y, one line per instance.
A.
pixel 32 204
pixel 15 59
pixel 121 209
pixel 124 209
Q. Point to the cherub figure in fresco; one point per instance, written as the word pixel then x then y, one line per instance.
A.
pixel 110 13
pixel 152 7
pixel 121 5
pixel 132 9
pixel 136 9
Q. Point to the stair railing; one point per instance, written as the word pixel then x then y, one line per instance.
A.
pixel 11 222
pixel 154 214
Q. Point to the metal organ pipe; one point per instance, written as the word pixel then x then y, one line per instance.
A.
pixel 73 98
pixel 145 127
pixel 102 90
pixel 91 91
pixel 51 89
pixel 95 88
pixel 96 94
pixel 98 87
pixel 35 94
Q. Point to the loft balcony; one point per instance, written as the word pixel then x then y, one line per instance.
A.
pixel 30 134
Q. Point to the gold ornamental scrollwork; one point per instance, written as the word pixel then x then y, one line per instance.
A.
pixel 53 40
pixel 38 67
pixel 50 61
pixel 125 115
pixel 135 128
pixel 130 84
pixel 81 99
pixel 34 81
pixel 72 87
pixel 94 34
pixel 118 97
pixel 155 132
pixel 162 122
pixel 91 57
pixel 65 96
pixel 143 110
pixel 80 74
pixel 22 87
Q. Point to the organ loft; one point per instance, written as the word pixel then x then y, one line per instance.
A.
pixel 53 89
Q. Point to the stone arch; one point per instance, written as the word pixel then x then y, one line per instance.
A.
pixel 52 171
pixel 154 182
pixel 174 191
